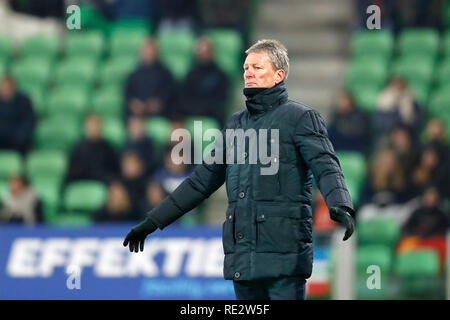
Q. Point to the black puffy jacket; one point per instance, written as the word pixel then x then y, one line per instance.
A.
pixel 268 224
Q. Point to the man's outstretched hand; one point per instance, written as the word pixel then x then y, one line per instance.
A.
pixel 137 235
pixel 342 216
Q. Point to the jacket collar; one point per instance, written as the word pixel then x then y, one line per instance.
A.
pixel 261 100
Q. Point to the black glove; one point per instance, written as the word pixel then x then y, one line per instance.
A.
pixel 341 215
pixel 137 235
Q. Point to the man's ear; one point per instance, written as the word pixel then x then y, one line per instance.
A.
pixel 279 76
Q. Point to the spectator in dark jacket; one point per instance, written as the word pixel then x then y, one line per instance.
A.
pixel 133 176
pixel 429 219
pixel 17 118
pixel 178 14
pixel 93 157
pixel 205 89
pixel 436 134
pixel 149 89
pixel 22 203
pixel 154 194
pixel 118 206
pixel 349 128
pixel 139 142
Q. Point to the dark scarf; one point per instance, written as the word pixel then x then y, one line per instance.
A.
pixel 260 100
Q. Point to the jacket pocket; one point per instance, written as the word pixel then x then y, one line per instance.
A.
pixel 228 239
pixel 281 229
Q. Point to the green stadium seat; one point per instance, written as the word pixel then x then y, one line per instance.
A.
pixel 446 44
pixel 443 74
pixel 116 70
pixel 6 48
pixel 159 129
pixel 368 75
pixel 2 68
pixel 228 47
pixel 419 42
pixel 414 68
pixel 10 163
pixel 133 24
pixel 57 133
pixel 68 100
pixel 127 42
pixel 439 103
pixel 378 231
pixel 369 256
pixel 354 169
pixel 41 45
pixel 4 190
pixel 179 66
pixel 31 71
pixel 366 97
pixel 114 131
pixel 36 93
pixel 48 187
pixel 43 163
pixel 373 44
pixel 84 196
pixel 418 272
pixel 79 71
pixel 206 123
pixel 176 49
pixel 72 219
pixel 108 102
pixel 85 44
pixel 92 18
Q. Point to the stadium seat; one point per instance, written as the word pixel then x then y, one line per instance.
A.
pixel 92 18
pixel 32 71
pixel 127 24
pixel 42 46
pixel 72 219
pixel 36 93
pixel 354 169
pixel 159 129
pixel 439 104
pixel 176 49
pixel 446 44
pixel 10 163
pixel 368 75
pixel 372 44
pixel 48 188
pixel 378 231
pixel 84 196
pixel 114 131
pixel 108 102
pixel 419 42
pixel 366 97
pixel 6 48
pixel 228 47
pixel 44 163
pixel 4 190
pixel 57 133
pixel 86 44
pixel 443 74
pixel 127 42
pixel 418 272
pixel 68 100
pixel 116 70
pixel 77 71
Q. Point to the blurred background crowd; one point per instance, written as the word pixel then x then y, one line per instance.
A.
pixel 86 115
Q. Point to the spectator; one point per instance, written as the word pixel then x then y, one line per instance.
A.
pixel 349 128
pixel 430 170
pixel 93 158
pixel 118 206
pixel 396 105
pixel 386 182
pixel 149 89
pixel 429 219
pixel 22 203
pixel 154 194
pixel 435 134
pixel 178 14
pixel 205 89
pixel 17 118
pixel 139 142
pixel 133 176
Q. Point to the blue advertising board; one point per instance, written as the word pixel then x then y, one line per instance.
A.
pixel 46 262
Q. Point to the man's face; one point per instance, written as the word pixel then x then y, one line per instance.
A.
pixel 259 71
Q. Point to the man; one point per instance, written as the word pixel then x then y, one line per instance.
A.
pixel 267 234
pixel 149 90
pixel 17 118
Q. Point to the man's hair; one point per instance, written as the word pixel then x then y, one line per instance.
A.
pixel 277 53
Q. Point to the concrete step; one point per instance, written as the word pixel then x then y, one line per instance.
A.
pixel 316 42
pixel 286 15
pixel 320 71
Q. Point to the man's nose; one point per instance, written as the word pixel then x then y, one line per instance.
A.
pixel 248 74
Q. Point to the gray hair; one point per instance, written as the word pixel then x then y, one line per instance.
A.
pixel 277 53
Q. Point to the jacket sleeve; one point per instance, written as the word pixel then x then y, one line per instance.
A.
pixel 311 139
pixel 204 181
